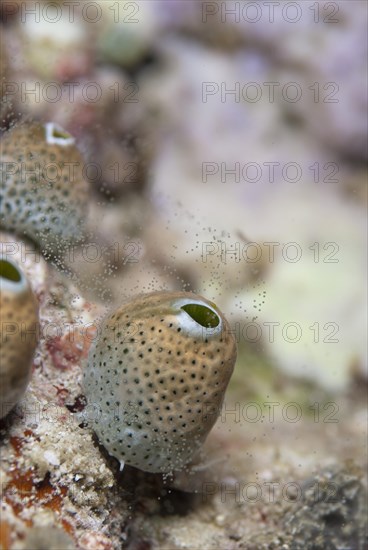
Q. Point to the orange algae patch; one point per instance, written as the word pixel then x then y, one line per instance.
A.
pixel 48 497
pixel 68 528
pixel 17 444
pixel 23 491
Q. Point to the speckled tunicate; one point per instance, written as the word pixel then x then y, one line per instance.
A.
pixel 156 378
pixel 43 193
pixel 18 333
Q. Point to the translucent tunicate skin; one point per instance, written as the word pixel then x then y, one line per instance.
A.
pixel 156 378
pixel 18 333
pixel 43 193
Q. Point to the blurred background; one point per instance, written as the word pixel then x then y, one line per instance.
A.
pixel 225 146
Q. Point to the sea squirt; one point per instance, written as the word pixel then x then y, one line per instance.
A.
pixel 157 375
pixel 43 192
pixel 19 332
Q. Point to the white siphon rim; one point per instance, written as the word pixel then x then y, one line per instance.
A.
pixel 50 128
pixel 8 284
pixel 190 325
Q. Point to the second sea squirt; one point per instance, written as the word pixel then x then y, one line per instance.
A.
pixel 19 330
